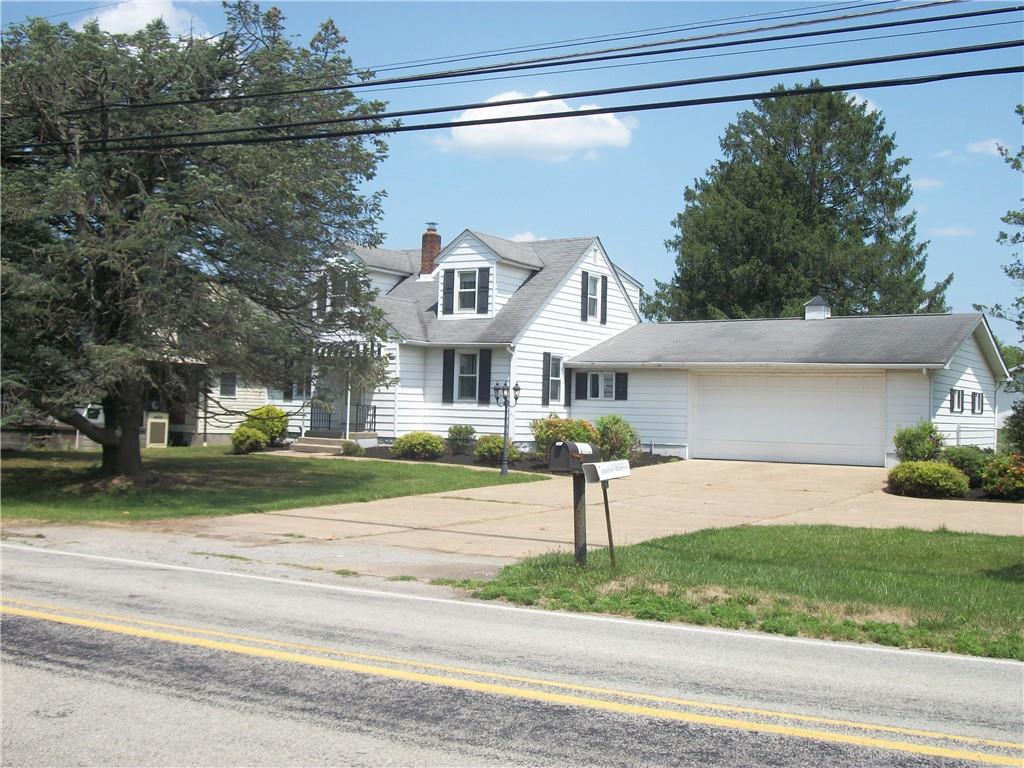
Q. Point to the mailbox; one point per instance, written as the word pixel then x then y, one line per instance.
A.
pixel 570 457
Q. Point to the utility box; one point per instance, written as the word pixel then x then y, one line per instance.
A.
pixel 158 426
pixel 569 457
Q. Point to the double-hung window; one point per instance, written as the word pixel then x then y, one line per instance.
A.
pixel 228 384
pixel 555 379
pixel 593 295
pixel 467 375
pixel 602 386
pixel 467 287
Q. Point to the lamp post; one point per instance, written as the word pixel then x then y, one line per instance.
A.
pixel 502 397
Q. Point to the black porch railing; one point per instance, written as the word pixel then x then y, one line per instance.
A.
pixel 363 419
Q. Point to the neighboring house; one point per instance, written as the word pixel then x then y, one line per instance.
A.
pixel 1008 394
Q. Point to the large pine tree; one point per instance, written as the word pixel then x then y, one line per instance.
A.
pixel 807 199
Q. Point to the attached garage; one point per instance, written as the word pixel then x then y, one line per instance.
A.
pixel 807 418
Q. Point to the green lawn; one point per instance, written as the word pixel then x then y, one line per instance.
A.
pixel 65 486
pixel 937 590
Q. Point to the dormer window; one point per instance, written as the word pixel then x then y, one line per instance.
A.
pixel 467 282
pixel 593 295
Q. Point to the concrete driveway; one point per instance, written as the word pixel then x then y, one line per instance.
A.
pixel 500 524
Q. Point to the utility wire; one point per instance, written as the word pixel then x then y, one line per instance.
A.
pixel 561 61
pixel 892 58
pixel 621 109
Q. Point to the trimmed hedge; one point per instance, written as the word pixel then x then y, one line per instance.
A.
pixel 488 449
pixel 922 442
pixel 547 432
pixel 247 439
pixel 969 459
pixel 1003 477
pixel 418 445
pixel 928 479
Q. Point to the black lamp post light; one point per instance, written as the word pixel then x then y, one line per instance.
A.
pixel 507 397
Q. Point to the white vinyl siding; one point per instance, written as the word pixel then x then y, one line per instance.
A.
pixel 382 282
pixel 219 421
pixel 968 372
pixel 906 404
pixel 507 280
pixel 383 397
pixel 466 255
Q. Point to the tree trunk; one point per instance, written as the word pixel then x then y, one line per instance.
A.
pixel 123 457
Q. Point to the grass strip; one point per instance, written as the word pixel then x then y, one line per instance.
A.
pixel 934 590
pixel 66 486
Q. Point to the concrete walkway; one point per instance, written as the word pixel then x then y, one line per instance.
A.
pixel 515 521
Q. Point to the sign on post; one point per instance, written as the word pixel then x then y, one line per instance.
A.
pixel 602 471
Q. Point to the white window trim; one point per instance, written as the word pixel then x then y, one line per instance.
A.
pixel 459 397
pixel 555 379
pixel 601 377
pixel 459 290
pixel 595 281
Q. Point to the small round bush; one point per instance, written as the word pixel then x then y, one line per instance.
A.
pixel 270 420
pixel 969 459
pixel 547 432
pixel 352 448
pixel 928 479
pixel 459 438
pixel 1003 477
pixel 418 445
pixel 246 439
pixel 488 449
pixel 922 442
pixel 616 437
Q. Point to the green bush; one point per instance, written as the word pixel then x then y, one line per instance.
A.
pixel 1003 477
pixel 352 448
pixel 928 479
pixel 615 437
pixel 270 420
pixel 922 442
pixel 1013 428
pixel 418 445
pixel 247 439
pixel 969 459
pixel 459 438
pixel 547 432
pixel 488 449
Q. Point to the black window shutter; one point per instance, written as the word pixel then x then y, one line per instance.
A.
pixel 448 377
pixel 621 385
pixel 483 289
pixel 583 295
pixel 545 381
pixel 581 385
pixel 604 300
pixel 483 378
pixel 566 384
pixel 952 401
pixel 448 295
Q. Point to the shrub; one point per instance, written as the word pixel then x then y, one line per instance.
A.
pixel 921 442
pixel 928 479
pixel 247 439
pixel 1013 428
pixel 270 420
pixel 459 437
pixel 615 437
pixel 547 432
pixel 352 448
pixel 488 449
pixel 1003 477
pixel 418 445
pixel 969 459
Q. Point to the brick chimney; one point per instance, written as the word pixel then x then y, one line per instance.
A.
pixel 431 247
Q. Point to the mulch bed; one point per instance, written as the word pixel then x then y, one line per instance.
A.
pixel 528 463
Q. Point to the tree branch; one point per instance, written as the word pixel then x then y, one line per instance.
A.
pixel 100 435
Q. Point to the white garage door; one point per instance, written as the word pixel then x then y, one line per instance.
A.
pixel 817 419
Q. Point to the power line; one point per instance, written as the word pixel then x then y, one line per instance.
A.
pixel 677 104
pixel 797 69
pixel 561 61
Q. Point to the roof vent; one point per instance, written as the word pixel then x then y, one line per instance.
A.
pixel 817 309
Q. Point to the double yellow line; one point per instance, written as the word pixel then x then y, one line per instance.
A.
pixel 620 702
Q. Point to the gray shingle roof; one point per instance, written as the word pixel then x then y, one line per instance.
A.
pixel 411 306
pixel 859 340
pixel 406 262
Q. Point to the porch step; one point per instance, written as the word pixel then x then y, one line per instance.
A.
pixel 334 442
pixel 317 445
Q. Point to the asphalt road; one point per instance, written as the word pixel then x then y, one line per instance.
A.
pixel 111 661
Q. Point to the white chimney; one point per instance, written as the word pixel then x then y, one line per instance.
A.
pixel 817 309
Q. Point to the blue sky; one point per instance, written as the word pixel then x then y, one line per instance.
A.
pixel 622 177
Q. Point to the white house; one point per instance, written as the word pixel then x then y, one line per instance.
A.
pixel 561 320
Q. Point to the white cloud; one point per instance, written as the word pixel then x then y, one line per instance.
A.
pixel 944 154
pixel 524 237
pixel 925 184
pixel 549 139
pixel 133 15
pixel 857 99
pixel 951 232
pixel 984 147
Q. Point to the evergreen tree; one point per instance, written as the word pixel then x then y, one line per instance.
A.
pixel 808 199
